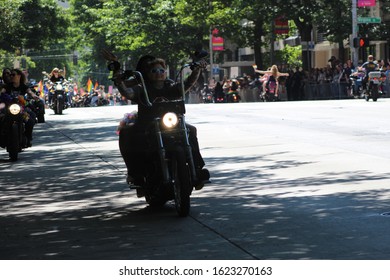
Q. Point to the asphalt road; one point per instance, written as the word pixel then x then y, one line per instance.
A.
pixel 290 180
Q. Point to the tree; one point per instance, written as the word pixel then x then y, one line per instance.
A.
pixel 30 26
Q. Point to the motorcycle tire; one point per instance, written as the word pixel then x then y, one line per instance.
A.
pixel 41 118
pixel 375 92
pixel 155 201
pixel 181 183
pixel 14 143
pixel 60 106
pixel 367 97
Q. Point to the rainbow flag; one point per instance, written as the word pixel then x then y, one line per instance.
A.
pixel 216 41
pixel 40 89
pixel 281 26
pixel 89 85
pixel 96 85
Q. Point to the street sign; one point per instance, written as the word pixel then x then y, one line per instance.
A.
pixel 369 20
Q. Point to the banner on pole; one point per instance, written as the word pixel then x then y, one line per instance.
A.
pixel 281 26
pixel 217 42
pixel 366 3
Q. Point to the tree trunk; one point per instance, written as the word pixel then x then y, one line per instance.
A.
pixel 257 44
pixel 341 51
pixel 305 29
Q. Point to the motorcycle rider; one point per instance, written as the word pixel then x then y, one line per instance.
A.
pixel 18 88
pixel 56 75
pixel 368 67
pixel 158 86
pixel 6 77
pixel 272 76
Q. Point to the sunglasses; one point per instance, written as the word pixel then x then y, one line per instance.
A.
pixel 158 70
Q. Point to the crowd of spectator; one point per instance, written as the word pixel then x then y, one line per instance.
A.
pixel 332 81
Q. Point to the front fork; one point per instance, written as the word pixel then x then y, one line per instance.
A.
pixel 162 151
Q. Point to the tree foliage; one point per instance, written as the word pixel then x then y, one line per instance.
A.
pixel 28 28
pixel 168 28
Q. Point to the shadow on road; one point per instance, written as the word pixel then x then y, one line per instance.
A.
pixel 62 201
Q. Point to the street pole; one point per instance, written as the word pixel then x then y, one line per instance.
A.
pixel 211 53
pixel 211 42
pixel 354 51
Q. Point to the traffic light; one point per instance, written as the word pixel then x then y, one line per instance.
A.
pixel 360 42
pixel 364 42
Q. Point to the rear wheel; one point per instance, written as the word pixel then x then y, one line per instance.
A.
pixel 181 184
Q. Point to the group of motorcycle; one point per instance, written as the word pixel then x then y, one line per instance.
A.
pixel 228 94
pixel 13 114
pixel 374 84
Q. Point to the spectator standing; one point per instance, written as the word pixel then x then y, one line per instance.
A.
pixel 296 84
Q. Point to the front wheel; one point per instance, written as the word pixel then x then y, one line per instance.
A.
pixel 60 106
pixel 375 92
pixel 181 184
pixel 14 143
pixel 41 118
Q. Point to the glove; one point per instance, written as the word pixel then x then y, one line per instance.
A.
pixel 114 66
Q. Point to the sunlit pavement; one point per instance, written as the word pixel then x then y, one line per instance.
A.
pixel 290 180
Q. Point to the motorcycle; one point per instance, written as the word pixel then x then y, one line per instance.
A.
pixel 12 127
pixel 169 172
pixel 37 106
pixel 59 100
pixel 232 97
pixel 357 84
pixel 270 92
pixel 207 94
pixel 220 98
pixel 374 85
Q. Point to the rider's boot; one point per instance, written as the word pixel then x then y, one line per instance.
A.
pixel 203 176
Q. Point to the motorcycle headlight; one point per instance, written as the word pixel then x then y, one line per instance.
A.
pixel 170 120
pixel 14 109
pixel 58 87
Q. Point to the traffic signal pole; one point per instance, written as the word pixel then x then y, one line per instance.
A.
pixel 354 51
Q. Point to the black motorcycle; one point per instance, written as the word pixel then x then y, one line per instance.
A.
pixel 12 136
pixel 37 106
pixel 169 171
pixel 374 85
pixel 59 99
pixel 207 94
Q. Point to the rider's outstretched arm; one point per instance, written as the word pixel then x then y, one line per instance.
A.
pixel 191 80
pixel 126 90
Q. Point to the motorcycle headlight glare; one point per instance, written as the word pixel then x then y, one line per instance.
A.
pixel 58 87
pixel 14 109
pixel 170 120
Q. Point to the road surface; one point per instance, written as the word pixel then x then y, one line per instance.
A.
pixel 290 180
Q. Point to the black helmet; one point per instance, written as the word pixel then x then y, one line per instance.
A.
pixel 143 61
